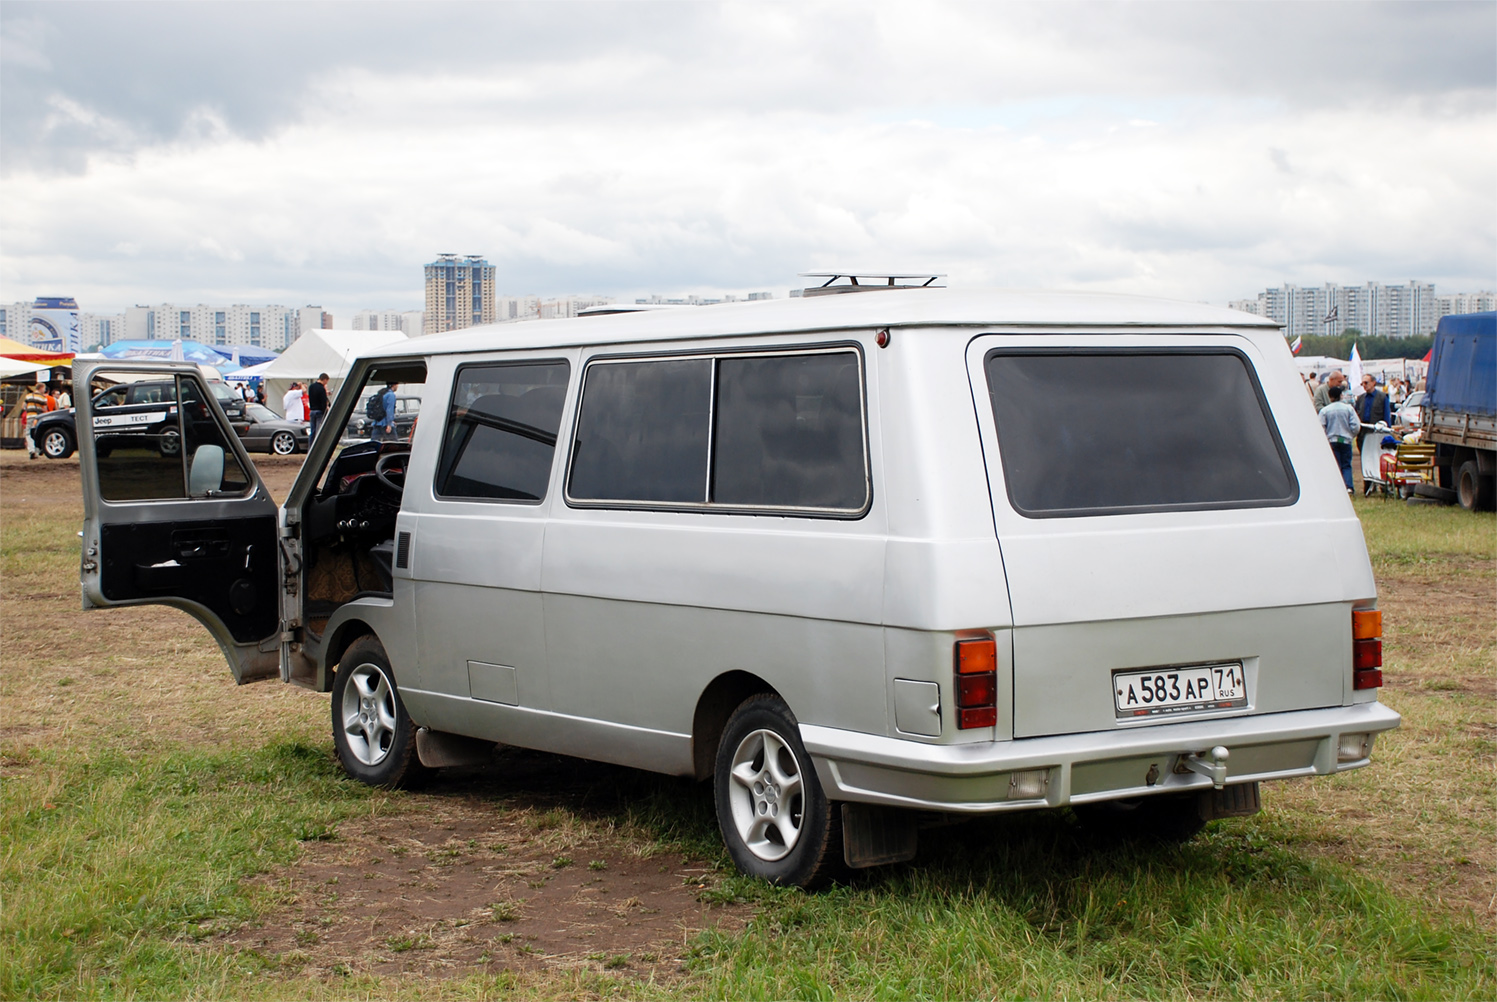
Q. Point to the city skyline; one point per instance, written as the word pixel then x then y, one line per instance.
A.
pixel 290 154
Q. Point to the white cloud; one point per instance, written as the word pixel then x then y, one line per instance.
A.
pixel 1009 146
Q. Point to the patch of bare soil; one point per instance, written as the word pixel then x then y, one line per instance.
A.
pixel 470 878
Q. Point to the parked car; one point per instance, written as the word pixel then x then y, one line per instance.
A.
pixel 144 405
pixel 850 558
pixel 1411 412
pixel 359 427
pixel 267 431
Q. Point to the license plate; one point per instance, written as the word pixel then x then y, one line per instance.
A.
pixel 1178 690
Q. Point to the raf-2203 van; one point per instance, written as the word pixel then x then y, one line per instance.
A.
pixel 853 558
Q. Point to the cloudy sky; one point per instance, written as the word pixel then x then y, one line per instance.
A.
pixel 303 153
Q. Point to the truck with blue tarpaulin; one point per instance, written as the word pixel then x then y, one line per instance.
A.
pixel 1460 406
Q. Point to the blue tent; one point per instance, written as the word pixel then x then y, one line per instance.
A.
pixel 176 350
pixel 225 358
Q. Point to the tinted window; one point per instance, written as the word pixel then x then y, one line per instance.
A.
pixel 501 431
pixel 144 454
pixel 1104 433
pixel 789 432
pixel 642 433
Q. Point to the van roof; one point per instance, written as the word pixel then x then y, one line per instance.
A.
pixel 862 311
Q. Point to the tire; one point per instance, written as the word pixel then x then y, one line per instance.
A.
pixel 1169 818
pixel 776 822
pixel 170 443
pixel 1472 489
pixel 374 736
pixel 283 443
pixel 56 443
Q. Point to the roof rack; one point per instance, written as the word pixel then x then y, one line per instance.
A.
pixel 866 282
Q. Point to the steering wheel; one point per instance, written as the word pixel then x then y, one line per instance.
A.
pixel 390 470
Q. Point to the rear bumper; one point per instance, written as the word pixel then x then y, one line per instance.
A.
pixel 1095 766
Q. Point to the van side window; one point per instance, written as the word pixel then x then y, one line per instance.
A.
pixel 788 431
pixel 501 431
pixel 642 433
pixel 1112 432
pixel 777 431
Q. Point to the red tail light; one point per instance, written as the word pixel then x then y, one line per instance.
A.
pixel 976 663
pixel 1366 649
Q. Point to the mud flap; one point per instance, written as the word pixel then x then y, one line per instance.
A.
pixel 440 750
pixel 1241 800
pixel 874 836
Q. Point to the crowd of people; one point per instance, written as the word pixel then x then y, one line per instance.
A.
pixel 1350 415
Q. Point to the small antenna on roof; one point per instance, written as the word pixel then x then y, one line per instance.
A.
pixel 869 282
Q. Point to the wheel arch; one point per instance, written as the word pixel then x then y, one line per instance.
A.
pixel 716 703
pixel 335 643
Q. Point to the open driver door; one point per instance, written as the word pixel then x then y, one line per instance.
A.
pixel 174 512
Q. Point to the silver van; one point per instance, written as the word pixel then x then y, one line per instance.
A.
pixel 860 560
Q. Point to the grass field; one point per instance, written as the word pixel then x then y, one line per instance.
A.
pixel 166 834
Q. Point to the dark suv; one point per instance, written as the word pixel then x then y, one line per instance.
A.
pixel 145 407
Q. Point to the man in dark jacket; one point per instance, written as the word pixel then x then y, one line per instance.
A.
pixel 1372 408
pixel 317 405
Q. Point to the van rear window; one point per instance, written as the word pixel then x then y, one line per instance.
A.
pixel 1114 432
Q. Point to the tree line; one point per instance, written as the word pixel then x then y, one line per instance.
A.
pixel 1339 345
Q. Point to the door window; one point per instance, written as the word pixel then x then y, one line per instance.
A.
pixel 155 448
pixel 501 431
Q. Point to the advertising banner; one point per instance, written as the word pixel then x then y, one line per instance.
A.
pixel 54 324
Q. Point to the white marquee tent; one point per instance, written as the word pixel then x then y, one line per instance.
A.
pixel 315 352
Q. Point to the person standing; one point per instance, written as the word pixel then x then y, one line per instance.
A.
pixel 317 404
pixel 1323 391
pixel 33 406
pixel 1372 407
pixel 64 399
pixel 291 403
pixel 384 429
pixel 1340 422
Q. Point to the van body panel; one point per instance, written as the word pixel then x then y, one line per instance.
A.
pixel 928 656
pixel 645 665
pixel 544 730
pixel 1269 586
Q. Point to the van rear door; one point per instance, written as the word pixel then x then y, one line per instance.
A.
pixel 175 513
pixel 1176 540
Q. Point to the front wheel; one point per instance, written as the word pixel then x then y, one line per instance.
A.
pixel 776 821
pixel 373 734
pixel 283 443
pixel 57 444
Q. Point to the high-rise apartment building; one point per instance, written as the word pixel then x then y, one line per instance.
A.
pixel 410 322
pixel 459 293
pixel 511 308
pixel 268 326
pixel 1374 309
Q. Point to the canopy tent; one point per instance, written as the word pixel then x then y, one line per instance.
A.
pixel 26 353
pixel 15 367
pixel 246 374
pixel 242 355
pixel 316 352
pixel 176 350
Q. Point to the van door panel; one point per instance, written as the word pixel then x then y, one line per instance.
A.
pixel 477 587
pixel 175 513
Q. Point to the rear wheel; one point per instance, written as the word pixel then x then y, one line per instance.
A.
pixel 1473 489
pixel 170 443
pixel 57 443
pixel 776 821
pixel 1168 818
pixel 372 733
pixel 283 443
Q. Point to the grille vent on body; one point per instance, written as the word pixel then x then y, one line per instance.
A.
pixel 403 551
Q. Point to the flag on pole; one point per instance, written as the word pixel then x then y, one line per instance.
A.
pixel 1355 375
pixel 1295 345
pixel 1330 317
